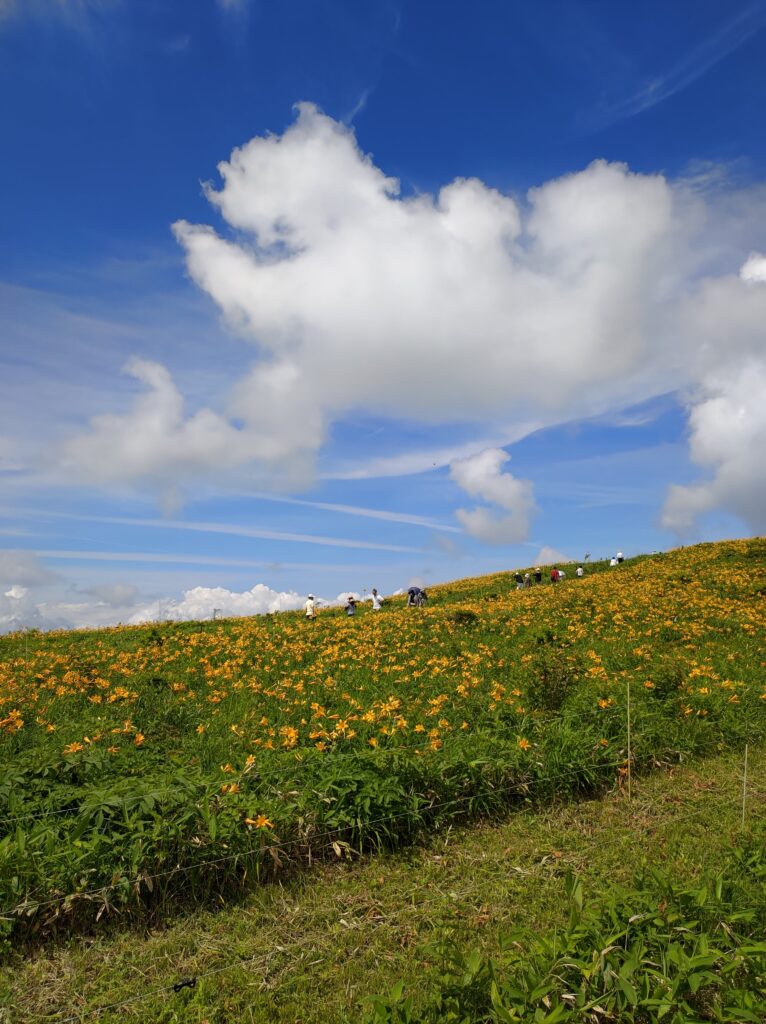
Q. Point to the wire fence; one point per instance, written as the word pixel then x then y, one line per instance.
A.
pixel 31 902
pixel 371 754
pixel 191 979
pixel 308 841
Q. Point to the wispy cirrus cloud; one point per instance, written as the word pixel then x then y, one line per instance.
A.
pixel 691 67
pixel 234 6
pixel 422 460
pixel 231 529
pixel 161 558
pixel 75 12
pixel 370 513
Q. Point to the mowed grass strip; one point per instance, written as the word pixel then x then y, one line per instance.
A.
pixel 318 944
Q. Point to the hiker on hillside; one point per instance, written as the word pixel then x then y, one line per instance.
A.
pixel 416 597
pixel 620 557
pixel 519 580
pixel 351 605
pixel 612 561
pixel 527 581
pixel 311 607
pixel 377 600
pixel 538 575
pixel 554 574
pixel 579 571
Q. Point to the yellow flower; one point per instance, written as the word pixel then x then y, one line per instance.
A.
pixel 260 822
pixel 73 748
pixel 373 741
pixel 524 743
pixel 139 739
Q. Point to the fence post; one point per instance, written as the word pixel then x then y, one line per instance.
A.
pixel 629 746
pixel 744 788
pixel 26 656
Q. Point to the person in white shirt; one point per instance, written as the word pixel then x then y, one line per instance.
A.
pixel 376 600
pixel 579 571
pixel 311 607
pixel 613 561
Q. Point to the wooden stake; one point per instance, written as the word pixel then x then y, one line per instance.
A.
pixel 629 747
pixel 744 788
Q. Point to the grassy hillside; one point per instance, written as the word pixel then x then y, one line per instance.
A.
pixel 314 948
pixel 149 770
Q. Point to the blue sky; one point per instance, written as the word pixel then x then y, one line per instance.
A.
pixel 493 294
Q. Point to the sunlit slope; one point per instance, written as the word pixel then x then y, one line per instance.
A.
pixel 148 766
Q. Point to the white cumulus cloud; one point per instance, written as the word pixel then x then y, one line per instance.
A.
pixel 727 439
pixel 481 476
pixel 754 268
pixel 551 556
pixel 202 602
pixel 595 290
pixel 156 443
pixel 488 303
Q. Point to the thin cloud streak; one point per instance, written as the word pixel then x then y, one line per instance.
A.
pixel 223 528
pixel 358 510
pixel 690 68
pixel 413 463
pixel 162 559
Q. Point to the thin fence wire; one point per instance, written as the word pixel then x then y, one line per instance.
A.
pixel 30 904
pixel 306 841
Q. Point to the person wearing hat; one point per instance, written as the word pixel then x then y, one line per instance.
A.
pixel 351 605
pixel 538 575
pixel 311 607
